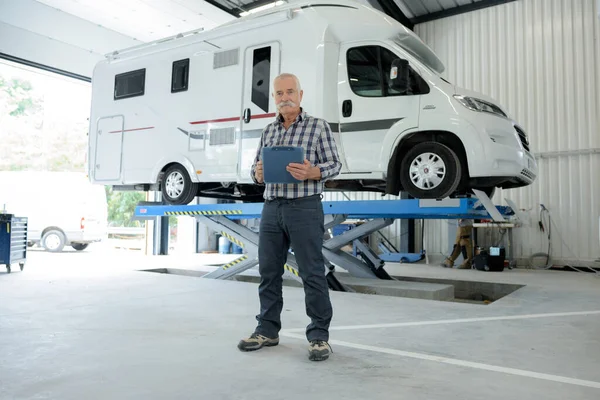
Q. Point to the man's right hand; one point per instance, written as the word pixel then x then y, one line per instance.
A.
pixel 258 172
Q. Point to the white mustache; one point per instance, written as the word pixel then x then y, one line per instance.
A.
pixel 286 103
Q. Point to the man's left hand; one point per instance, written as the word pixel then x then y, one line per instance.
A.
pixel 304 171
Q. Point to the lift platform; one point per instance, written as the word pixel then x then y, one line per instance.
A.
pixel 375 215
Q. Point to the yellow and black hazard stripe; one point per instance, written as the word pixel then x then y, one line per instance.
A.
pixel 217 212
pixel 235 262
pixel 291 269
pixel 232 239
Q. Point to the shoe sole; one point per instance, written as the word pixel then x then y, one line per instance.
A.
pixel 318 357
pixel 258 347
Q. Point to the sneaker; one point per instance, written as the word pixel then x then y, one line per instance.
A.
pixel 257 341
pixel 318 350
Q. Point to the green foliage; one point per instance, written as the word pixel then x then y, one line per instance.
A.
pixel 121 207
pixel 23 106
pixel 34 139
pixel 21 98
pixel 21 84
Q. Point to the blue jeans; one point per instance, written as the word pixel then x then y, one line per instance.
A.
pixel 299 223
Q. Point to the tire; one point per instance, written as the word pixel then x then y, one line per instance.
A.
pixel 177 187
pixel 424 158
pixel 53 241
pixel 80 246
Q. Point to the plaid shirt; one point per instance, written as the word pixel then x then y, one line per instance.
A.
pixel 314 135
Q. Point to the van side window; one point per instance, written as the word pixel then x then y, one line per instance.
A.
pixel 369 72
pixel 180 75
pixel 364 71
pixel 130 84
pixel 417 83
pixel 261 77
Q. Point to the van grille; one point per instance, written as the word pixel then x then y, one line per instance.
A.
pixel 222 136
pixel 523 138
pixel 527 173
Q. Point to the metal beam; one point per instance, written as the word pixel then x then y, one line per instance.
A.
pixel 478 5
pixel 363 209
pixel 44 67
pixel 391 8
pixel 232 11
pixel 339 241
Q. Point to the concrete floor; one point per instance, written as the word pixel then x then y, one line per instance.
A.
pixel 90 326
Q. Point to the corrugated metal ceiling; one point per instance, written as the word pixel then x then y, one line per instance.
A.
pixel 419 8
pixel 408 12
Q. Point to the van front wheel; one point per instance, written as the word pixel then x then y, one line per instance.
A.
pixel 53 241
pixel 430 170
pixel 177 187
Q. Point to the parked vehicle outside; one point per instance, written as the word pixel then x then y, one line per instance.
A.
pixel 63 208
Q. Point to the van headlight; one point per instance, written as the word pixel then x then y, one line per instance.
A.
pixel 475 104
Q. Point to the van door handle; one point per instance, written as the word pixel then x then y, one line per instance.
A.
pixel 247 115
pixel 347 108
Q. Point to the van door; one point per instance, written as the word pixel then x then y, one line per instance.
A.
pixel 109 146
pixel 261 66
pixel 369 110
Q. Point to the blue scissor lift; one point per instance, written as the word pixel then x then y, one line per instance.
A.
pixel 377 214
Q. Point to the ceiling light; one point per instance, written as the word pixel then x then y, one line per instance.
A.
pixel 262 8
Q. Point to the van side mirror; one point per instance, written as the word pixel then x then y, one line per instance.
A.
pixel 399 77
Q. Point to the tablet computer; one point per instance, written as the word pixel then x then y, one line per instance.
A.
pixel 276 159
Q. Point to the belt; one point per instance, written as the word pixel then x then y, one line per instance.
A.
pixel 465 237
pixel 295 199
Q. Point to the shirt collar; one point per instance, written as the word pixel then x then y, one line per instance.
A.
pixel 299 118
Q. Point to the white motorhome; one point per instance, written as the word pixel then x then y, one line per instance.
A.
pixel 62 208
pixel 184 115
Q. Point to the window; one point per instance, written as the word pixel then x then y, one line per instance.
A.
pixel 364 71
pixel 369 73
pixel 261 77
pixel 180 75
pixel 130 84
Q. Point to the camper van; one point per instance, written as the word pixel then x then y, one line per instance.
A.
pixel 184 115
pixel 62 208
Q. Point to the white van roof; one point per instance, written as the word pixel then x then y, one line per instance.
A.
pixel 346 22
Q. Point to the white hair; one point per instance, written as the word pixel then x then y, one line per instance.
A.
pixel 288 75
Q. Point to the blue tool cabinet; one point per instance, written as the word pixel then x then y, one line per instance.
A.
pixel 13 240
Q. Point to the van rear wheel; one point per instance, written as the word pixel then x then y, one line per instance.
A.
pixel 177 187
pixel 79 246
pixel 430 170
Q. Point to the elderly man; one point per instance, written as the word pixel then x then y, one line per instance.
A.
pixel 293 215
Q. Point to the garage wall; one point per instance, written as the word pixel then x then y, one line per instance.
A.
pixel 539 58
